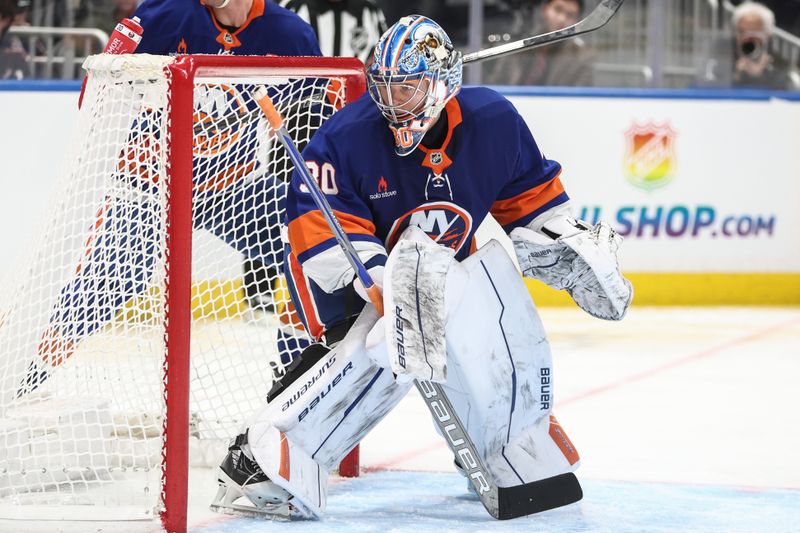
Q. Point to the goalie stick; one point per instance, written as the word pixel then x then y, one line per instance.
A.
pixel 598 18
pixel 501 502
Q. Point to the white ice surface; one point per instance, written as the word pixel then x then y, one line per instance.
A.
pixel 686 420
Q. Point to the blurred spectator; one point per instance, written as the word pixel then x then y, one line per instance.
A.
pixel 8 10
pixel 787 14
pixel 568 63
pixel 13 63
pixel 743 59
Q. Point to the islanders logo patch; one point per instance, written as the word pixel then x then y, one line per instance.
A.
pixel 218 119
pixel 444 222
pixel 650 160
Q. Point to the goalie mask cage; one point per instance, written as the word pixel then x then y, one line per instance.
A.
pixel 128 347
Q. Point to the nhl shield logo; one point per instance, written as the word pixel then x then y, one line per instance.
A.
pixel 650 158
pixel 436 158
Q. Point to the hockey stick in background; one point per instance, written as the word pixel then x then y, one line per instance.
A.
pixel 598 18
pixel 501 502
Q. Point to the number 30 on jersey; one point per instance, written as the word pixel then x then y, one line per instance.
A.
pixel 325 176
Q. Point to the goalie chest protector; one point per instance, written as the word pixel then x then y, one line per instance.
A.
pixel 489 163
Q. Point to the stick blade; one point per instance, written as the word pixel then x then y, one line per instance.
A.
pixel 538 496
pixel 599 16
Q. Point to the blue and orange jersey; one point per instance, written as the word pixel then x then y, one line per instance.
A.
pixel 489 163
pixel 224 155
pixel 189 27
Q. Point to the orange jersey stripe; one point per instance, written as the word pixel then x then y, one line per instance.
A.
pixel 512 209
pixel 315 327
pixel 310 230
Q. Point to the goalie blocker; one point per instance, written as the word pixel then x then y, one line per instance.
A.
pixel 491 357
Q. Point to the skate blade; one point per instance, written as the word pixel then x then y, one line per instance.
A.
pixel 279 513
pixel 227 494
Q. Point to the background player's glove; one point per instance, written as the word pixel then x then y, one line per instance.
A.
pixel 569 255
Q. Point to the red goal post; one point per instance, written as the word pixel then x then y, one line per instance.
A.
pixel 185 70
pixel 128 344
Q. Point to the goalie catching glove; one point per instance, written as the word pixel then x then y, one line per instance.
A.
pixel 568 254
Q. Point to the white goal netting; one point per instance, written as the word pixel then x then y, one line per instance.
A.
pixel 83 340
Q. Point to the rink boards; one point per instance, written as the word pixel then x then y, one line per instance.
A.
pixel 703 185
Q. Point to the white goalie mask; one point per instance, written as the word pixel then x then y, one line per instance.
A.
pixel 414 73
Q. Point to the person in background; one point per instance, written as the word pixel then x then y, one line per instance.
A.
pixel 238 199
pixel 743 60
pixel 787 13
pixel 8 10
pixel 13 63
pixel 568 63
pixel 753 24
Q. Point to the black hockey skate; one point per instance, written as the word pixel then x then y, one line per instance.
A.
pixel 239 476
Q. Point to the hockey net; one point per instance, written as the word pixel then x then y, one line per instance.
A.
pixel 128 335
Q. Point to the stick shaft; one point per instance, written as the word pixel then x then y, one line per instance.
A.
pixel 276 121
pixel 598 18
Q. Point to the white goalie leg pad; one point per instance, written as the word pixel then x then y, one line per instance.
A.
pixel 414 302
pixel 538 452
pixel 291 468
pixel 329 409
pixel 500 373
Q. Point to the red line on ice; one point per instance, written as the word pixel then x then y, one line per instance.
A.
pixel 394 461
pixel 676 363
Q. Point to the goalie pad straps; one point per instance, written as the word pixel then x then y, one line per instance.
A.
pixel 584 264
pixel 290 468
pixel 324 413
